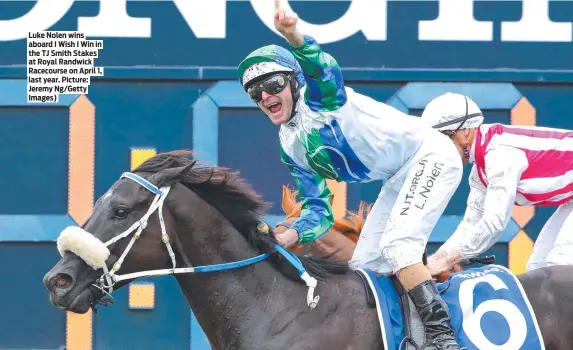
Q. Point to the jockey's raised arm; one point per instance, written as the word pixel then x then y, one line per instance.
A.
pixel 325 84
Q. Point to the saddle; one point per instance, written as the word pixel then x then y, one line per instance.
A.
pixel 405 300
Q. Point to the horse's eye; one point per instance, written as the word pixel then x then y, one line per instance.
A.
pixel 121 213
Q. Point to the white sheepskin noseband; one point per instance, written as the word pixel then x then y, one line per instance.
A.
pixel 82 243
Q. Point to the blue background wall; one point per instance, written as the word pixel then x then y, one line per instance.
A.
pixel 148 96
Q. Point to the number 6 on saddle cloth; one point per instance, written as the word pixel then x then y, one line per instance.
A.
pixel 488 306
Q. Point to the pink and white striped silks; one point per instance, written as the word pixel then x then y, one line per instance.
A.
pixel 548 178
pixel 528 166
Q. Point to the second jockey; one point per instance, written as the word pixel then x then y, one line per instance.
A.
pixel 329 131
pixel 530 166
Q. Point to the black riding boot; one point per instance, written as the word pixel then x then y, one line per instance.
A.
pixel 436 317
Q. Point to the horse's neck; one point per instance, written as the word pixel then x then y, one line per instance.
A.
pixel 235 308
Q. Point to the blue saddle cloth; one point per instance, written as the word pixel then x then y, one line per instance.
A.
pixel 488 306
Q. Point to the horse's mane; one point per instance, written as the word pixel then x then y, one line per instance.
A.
pixel 235 199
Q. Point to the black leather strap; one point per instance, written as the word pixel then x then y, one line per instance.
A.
pixel 405 303
pixel 370 301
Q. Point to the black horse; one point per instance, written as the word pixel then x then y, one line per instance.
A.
pixel 211 217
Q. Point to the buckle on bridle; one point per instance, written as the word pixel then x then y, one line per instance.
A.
pixel 107 278
pixel 106 299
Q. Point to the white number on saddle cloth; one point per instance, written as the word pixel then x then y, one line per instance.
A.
pixel 490 310
pixel 472 318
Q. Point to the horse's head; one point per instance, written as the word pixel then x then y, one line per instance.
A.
pixel 338 242
pixel 123 234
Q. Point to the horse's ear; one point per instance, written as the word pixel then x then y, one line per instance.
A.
pixel 289 203
pixel 286 202
pixel 170 176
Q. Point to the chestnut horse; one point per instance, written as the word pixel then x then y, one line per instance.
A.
pixel 340 240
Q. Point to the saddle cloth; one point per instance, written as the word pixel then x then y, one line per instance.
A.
pixel 488 306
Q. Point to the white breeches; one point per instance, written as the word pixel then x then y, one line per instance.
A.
pixel 554 246
pixel 408 207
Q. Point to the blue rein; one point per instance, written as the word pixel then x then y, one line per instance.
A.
pixel 290 256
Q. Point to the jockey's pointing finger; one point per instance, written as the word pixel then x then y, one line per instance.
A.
pixel 291 19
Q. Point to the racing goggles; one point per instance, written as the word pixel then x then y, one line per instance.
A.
pixel 272 85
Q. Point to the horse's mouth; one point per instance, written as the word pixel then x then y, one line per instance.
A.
pixel 79 305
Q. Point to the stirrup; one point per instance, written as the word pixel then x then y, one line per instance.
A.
pixel 408 340
pixel 433 343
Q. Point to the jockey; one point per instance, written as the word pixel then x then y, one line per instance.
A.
pixel 329 131
pixel 512 164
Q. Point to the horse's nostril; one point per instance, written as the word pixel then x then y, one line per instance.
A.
pixel 61 280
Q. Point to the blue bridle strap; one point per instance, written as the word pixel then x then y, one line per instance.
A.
pixel 148 185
